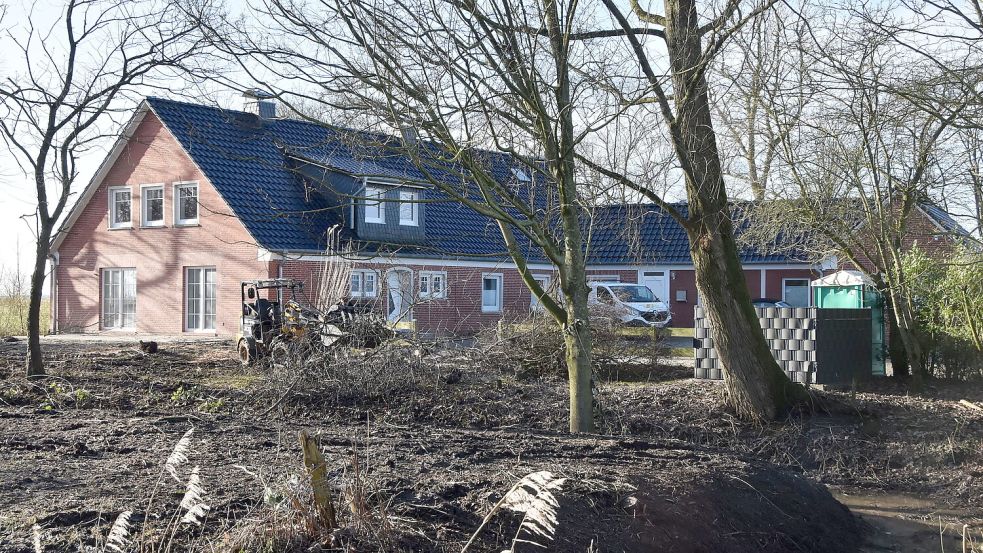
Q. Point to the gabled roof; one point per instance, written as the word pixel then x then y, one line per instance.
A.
pixel 942 218
pixel 253 166
pixel 250 164
pixel 645 233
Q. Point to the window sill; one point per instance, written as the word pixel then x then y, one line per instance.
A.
pixel 374 222
pixel 127 227
pixel 188 224
pixel 496 310
pixel 408 224
pixel 154 226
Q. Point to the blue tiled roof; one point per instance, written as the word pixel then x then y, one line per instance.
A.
pixel 943 219
pixel 252 166
pixel 644 233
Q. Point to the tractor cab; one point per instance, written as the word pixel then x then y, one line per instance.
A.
pixel 264 319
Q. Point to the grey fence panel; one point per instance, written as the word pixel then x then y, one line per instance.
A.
pixel 813 346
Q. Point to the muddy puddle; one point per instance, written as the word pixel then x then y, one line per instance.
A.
pixel 908 524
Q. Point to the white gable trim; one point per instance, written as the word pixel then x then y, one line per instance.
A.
pixel 124 138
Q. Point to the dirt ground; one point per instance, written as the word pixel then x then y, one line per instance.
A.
pixel 670 469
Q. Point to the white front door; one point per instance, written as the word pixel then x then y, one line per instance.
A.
pixel 399 293
pixel 657 282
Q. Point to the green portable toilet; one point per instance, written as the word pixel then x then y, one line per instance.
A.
pixel 854 290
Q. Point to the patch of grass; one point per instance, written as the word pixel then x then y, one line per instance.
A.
pixel 13 316
pixel 232 381
pixel 684 332
pixel 680 352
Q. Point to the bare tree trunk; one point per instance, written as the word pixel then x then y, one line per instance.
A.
pixel 578 344
pixel 906 327
pixel 758 387
pixel 34 361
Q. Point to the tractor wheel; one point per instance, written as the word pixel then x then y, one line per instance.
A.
pixel 281 354
pixel 246 353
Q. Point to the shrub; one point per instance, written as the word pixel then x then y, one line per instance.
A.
pixel 949 310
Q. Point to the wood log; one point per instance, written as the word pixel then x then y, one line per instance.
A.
pixel 318 472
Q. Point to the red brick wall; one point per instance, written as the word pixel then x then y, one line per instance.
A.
pixel 458 313
pixel 682 312
pixel 920 230
pixel 158 254
pixel 773 280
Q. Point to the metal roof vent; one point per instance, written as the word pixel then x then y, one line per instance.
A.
pixel 260 103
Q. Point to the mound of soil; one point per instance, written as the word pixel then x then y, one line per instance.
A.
pixel 622 495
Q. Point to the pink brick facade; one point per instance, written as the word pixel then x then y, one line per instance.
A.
pixel 159 255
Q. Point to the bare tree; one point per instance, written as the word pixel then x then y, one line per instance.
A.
pixel 72 77
pixel 757 96
pixel 757 387
pixel 481 86
pixel 873 150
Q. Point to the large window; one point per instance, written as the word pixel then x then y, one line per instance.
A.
pixel 200 292
pixel 491 293
pixel 795 292
pixel 433 284
pixel 186 203
pixel 119 298
pixel 375 208
pixel 544 282
pixel 409 209
pixel 153 205
pixel 364 284
pixel 120 215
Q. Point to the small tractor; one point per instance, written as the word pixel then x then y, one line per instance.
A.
pixel 284 328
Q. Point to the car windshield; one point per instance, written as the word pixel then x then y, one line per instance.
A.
pixel 634 294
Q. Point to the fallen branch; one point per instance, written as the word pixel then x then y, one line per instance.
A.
pixel 970 405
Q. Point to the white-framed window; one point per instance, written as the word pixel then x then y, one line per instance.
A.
pixel 186 203
pixel 200 298
pixel 491 293
pixel 544 282
pixel 795 291
pixel 120 207
pixel 409 209
pixel 375 208
pixel 119 298
pixel 152 202
pixel 433 284
pixel 365 284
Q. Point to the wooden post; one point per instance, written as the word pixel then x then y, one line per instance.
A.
pixel 318 472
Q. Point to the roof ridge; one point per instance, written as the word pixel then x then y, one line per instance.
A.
pixel 378 135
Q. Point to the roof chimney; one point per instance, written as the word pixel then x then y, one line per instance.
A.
pixel 409 135
pixel 260 103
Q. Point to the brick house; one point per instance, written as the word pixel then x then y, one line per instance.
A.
pixel 193 199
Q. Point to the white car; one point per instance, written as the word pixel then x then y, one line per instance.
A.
pixel 637 304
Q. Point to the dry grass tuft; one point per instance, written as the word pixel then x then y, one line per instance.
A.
pixel 534 497
pixel 179 455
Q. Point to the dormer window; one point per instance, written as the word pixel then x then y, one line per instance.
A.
pixel 120 202
pixel 521 175
pixel 375 208
pixel 409 208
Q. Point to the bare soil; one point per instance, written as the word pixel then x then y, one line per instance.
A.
pixel 670 470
